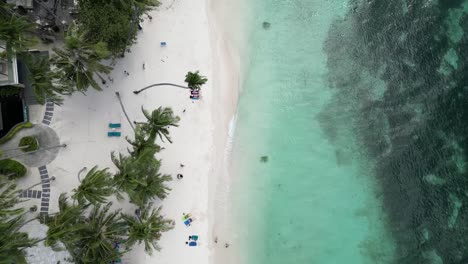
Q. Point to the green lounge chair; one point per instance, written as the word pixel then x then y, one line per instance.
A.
pixel 115 125
pixel 113 134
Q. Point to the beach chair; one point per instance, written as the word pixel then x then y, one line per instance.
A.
pixel 113 134
pixel 193 237
pixel 163 44
pixel 194 97
pixel 192 244
pixel 188 222
pixel 115 125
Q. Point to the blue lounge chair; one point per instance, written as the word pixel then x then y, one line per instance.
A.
pixel 188 221
pixel 163 44
pixel 115 125
pixel 113 134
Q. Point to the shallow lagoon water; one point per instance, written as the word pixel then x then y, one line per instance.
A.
pixel 360 107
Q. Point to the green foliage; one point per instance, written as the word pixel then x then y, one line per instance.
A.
pixel 79 62
pixel 12 169
pixel 13 242
pixel 6 91
pixel 8 199
pixel 141 142
pixel 88 235
pixel 44 81
pixel 147 228
pixel 158 122
pixel 95 187
pixel 15 130
pixel 139 177
pixel 111 21
pixel 194 80
pixel 29 141
pixel 13 29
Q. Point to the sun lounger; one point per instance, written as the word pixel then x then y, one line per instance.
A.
pixel 193 237
pixel 188 222
pixel 113 134
pixel 163 44
pixel 115 125
pixel 192 244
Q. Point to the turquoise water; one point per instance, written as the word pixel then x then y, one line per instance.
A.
pixel 314 200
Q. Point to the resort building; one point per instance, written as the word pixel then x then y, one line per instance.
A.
pixel 15 91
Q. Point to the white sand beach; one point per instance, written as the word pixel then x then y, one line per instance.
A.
pixel 195 41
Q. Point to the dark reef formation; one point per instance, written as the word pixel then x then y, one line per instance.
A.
pixel 399 71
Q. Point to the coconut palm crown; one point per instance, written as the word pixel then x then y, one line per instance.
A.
pixel 80 61
pixel 194 80
pixel 158 122
pixel 95 187
pixel 147 228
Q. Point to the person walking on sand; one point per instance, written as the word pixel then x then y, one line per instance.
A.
pixel 144 65
pixel 127 73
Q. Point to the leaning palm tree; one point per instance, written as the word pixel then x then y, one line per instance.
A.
pixel 13 29
pixel 95 187
pixel 45 82
pixel 13 243
pixel 139 177
pixel 141 142
pixel 194 80
pixel 103 231
pixel 158 122
pixel 80 61
pixel 64 224
pixel 151 185
pixel 147 228
pixel 89 236
pixel 8 199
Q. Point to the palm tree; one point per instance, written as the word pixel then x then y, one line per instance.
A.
pixel 151 185
pixel 158 122
pixel 13 242
pixel 8 199
pixel 102 231
pixel 147 227
pixel 88 237
pixel 13 29
pixel 80 61
pixel 141 142
pixel 139 177
pixel 95 187
pixel 64 224
pixel 194 80
pixel 45 82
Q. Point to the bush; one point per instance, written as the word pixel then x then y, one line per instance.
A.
pixel 12 168
pixel 15 130
pixel 29 141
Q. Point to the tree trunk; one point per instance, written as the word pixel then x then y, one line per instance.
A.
pixel 160 84
pixel 125 112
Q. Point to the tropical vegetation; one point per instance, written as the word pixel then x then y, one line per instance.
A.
pixel 13 242
pixel 147 228
pixel 29 143
pixel 158 123
pixel 194 80
pixel 113 22
pixel 12 169
pixel 95 187
pixel 79 63
pixel 45 82
pixel 15 130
